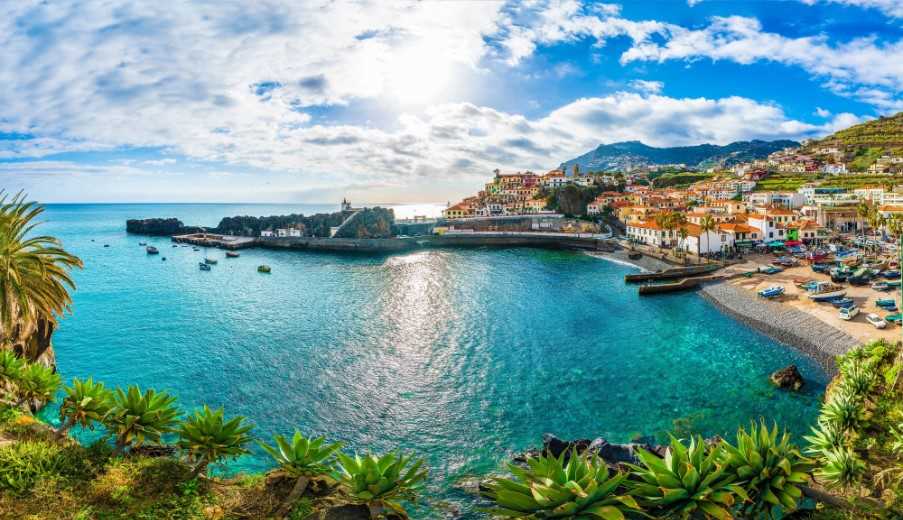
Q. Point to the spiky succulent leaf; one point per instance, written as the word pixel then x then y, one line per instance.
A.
pixel 85 403
pixel 208 437
pixel 136 417
pixel 302 457
pixel 384 480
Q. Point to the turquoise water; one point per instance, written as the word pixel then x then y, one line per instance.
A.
pixel 463 356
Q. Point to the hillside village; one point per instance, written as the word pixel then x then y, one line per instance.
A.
pixel 844 183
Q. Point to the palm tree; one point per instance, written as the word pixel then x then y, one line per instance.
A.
pixel 863 211
pixel 34 279
pixel 208 437
pixel 303 459
pixel 706 223
pixel 86 402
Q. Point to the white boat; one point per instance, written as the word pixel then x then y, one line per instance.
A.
pixel 848 313
pixel 771 292
pixel 826 291
pixel 876 321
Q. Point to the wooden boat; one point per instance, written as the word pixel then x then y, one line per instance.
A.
pixel 886 302
pixel 263 269
pixel 894 318
pixel 825 291
pixel 203 267
pixel 770 269
pixel 210 261
pixel 151 250
pixel 880 286
pixel 232 254
pixel 772 292
pixel 820 268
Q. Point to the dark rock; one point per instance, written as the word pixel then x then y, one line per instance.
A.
pixel 552 445
pixel 353 512
pixel 788 378
pixel 612 454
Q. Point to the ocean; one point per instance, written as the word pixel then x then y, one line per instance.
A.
pixel 464 357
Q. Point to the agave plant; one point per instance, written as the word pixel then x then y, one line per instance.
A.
pixel 86 402
pixel 303 459
pixel 36 383
pixel 844 410
pixel 688 482
pixel 34 279
pixel 825 436
pixel 11 367
pixel 858 378
pixel 841 468
pixel 550 488
pixel 771 470
pixel 135 417
pixel 379 482
pixel 208 437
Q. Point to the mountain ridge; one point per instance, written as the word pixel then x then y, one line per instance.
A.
pixel 629 154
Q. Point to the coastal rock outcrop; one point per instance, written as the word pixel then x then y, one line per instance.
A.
pixel 788 378
pixel 613 454
pixel 157 226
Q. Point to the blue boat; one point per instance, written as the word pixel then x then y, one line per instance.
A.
pixel 841 302
pixel 886 302
pixel 771 292
pixel 890 275
pixel 821 268
pixel 203 267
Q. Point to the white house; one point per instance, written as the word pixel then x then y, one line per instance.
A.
pixel 290 232
pixel 266 233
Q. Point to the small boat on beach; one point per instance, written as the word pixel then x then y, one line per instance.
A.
pixel 820 268
pixel 886 302
pixel 880 286
pixel 232 254
pixel 841 302
pixel 894 318
pixel 825 291
pixel 151 250
pixel 263 269
pixel 890 275
pixel 203 267
pixel 770 269
pixel 772 292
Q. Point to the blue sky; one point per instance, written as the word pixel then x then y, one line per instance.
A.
pixel 411 102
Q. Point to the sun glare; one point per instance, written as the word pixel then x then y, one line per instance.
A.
pixel 417 75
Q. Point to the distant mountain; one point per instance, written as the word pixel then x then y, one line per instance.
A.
pixel 632 154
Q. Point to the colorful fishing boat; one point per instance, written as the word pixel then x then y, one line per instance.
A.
pixel 825 291
pixel 772 292
pixel 842 302
pixel 886 302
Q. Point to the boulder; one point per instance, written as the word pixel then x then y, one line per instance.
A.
pixel 788 378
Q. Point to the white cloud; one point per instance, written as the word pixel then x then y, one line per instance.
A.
pixel 845 67
pixel 642 85
pixel 892 8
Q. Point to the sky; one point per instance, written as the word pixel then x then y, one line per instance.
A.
pixel 402 102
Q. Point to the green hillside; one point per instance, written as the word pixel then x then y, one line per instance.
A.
pixel 884 132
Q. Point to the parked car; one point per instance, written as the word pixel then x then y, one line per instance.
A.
pixel 876 321
pixel 848 313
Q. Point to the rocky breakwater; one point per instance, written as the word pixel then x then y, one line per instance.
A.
pixel 164 227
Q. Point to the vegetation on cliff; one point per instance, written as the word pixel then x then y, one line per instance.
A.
pixel 369 223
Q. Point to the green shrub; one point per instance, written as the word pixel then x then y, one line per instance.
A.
pixel 36 383
pixel 844 410
pixel 25 463
pixel 841 468
pixel 379 482
pixel 86 402
pixel 688 482
pixel 770 470
pixel 207 437
pixel 135 417
pixel 825 436
pixel 550 488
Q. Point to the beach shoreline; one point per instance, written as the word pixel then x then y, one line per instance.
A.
pixel 783 323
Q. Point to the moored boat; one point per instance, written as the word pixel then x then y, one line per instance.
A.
pixel 263 269
pixel 772 292
pixel 232 254
pixel 825 291
pixel 203 267
pixel 151 250
pixel 210 261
